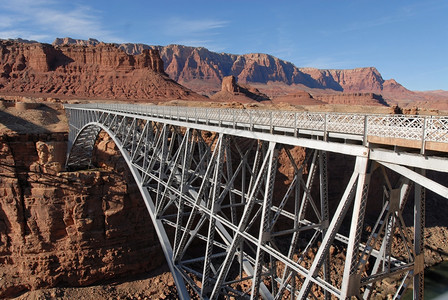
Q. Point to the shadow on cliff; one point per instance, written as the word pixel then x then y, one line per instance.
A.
pixel 52 180
pixel 59 59
pixel 20 125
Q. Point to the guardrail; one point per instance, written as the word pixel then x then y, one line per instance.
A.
pixel 419 130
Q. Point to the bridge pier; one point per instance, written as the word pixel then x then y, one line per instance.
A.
pixel 233 223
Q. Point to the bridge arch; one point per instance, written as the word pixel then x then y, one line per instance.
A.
pixel 80 156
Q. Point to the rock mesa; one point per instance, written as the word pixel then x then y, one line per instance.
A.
pixel 100 72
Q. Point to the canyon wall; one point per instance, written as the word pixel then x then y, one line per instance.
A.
pixel 95 72
pixel 68 228
pixel 202 70
pixel 91 69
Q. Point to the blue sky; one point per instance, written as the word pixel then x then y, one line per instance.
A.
pixel 404 39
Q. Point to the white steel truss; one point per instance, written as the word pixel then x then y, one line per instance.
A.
pixel 229 229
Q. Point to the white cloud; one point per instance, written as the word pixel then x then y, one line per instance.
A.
pixel 47 19
pixel 195 32
pixel 6 22
pixel 13 34
pixel 184 27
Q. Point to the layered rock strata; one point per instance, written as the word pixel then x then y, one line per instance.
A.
pixel 188 64
pixel 68 228
pixel 102 72
pixel 202 70
pixel 369 99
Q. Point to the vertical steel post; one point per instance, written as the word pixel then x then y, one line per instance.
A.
pixel 365 138
pixel 296 130
pixel 419 227
pixel 323 178
pixel 425 123
pixel 325 127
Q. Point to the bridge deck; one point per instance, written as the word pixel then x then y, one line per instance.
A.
pixel 407 131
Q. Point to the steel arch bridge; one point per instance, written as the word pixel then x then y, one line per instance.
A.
pixel 210 181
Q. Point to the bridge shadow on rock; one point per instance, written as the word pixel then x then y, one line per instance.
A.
pixel 21 124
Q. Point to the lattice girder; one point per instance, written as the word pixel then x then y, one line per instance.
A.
pixel 230 225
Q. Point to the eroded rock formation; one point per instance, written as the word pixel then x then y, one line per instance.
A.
pixel 369 99
pixel 305 98
pixel 102 71
pixel 203 70
pixel 231 91
pixel 298 98
pixel 69 228
pixel 186 64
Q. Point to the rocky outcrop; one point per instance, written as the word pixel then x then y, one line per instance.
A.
pixel 355 80
pixel 187 65
pixel 68 228
pixel 229 85
pixel 129 48
pixel 369 99
pixel 305 98
pixel 101 71
pixel 359 80
pixel 231 92
pixel 78 42
pixel 298 98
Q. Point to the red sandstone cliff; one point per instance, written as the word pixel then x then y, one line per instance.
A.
pixel 203 70
pixel 69 228
pixel 368 99
pixel 101 72
pixel 189 65
pixel 305 98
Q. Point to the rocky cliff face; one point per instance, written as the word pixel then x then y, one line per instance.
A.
pixel 351 99
pixel 358 80
pixel 187 64
pixel 202 71
pixel 101 71
pixel 69 228
pixel 369 99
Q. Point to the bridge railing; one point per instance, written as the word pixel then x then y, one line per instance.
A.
pixel 418 129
